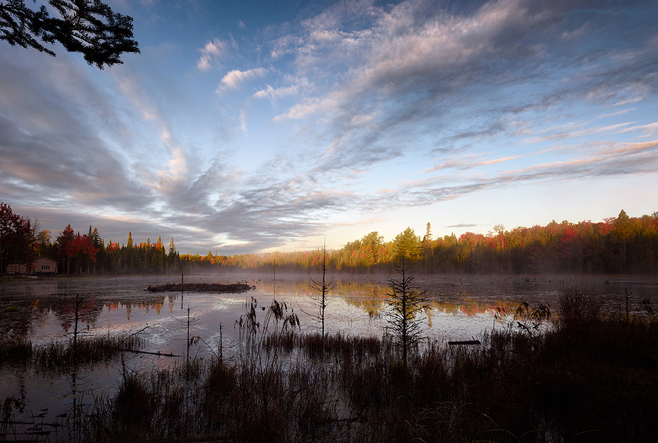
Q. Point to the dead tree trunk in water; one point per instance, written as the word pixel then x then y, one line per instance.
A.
pixel 320 301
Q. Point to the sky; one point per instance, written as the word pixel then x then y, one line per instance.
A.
pixel 258 126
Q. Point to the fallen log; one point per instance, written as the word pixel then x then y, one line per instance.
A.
pixel 151 353
pixel 202 287
pixel 464 342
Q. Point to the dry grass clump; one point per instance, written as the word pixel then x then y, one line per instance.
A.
pixel 578 309
pixel 15 350
pixel 64 354
pixel 67 353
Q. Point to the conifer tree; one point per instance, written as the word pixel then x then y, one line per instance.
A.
pixel 406 245
pixel 96 238
pixel 406 302
pixel 86 26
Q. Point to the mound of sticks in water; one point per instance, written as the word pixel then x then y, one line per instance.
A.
pixel 201 287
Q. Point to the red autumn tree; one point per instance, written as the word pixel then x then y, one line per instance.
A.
pixel 82 249
pixel 16 237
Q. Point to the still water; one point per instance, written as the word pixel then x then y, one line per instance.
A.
pixel 461 308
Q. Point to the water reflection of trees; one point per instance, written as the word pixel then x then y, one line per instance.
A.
pixel 17 320
pixel 64 309
pixel 26 307
pixel 371 298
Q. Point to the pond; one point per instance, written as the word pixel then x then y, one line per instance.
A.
pixel 43 310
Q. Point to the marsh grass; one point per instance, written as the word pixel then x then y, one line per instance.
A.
pixel 588 378
pixel 65 354
pixel 515 387
pixel 15 350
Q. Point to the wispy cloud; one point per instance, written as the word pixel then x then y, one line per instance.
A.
pixel 616 160
pixel 132 91
pixel 616 128
pixel 210 54
pixel 276 93
pixel 418 65
pixel 45 145
pixel 233 79
pixel 468 162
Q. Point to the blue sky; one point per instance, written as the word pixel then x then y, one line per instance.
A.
pixel 245 127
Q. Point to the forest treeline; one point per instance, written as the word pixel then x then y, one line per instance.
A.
pixel 22 242
pixel 616 245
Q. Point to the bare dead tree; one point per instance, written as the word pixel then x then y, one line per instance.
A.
pixel 320 300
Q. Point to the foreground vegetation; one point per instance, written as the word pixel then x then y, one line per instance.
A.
pixel 587 378
pixel 66 354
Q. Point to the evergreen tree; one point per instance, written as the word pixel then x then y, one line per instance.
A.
pixel 428 233
pixel 427 247
pixel 96 238
pixel 86 26
pixel 65 238
pixel 621 234
pixel 406 302
pixel 406 245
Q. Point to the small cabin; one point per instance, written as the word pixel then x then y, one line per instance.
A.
pixel 44 265
pixel 41 265
pixel 15 268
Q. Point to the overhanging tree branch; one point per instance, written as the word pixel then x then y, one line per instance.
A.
pixel 86 26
